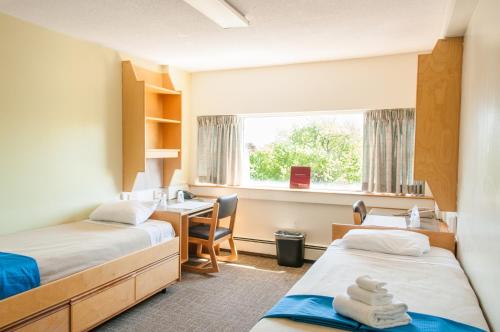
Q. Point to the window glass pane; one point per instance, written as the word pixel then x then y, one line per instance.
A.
pixel 331 144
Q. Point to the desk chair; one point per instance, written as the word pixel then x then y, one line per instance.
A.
pixel 207 233
pixel 359 212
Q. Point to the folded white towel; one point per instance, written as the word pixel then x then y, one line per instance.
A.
pixel 380 317
pixel 372 285
pixel 370 298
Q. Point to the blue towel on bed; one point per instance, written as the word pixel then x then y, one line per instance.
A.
pixel 318 310
pixel 18 273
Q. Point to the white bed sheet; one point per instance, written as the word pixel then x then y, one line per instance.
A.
pixel 158 231
pixel 433 284
pixel 66 249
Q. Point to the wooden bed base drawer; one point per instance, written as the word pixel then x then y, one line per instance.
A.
pixel 171 247
pixel 156 277
pixel 94 309
pixel 57 321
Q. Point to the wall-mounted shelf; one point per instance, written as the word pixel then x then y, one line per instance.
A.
pixel 152 113
pixel 162 153
pixel 161 120
pixel 161 90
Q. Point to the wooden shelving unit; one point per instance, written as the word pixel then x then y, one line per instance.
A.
pixel 152 112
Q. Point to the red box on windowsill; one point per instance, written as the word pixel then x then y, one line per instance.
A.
pixel 300 177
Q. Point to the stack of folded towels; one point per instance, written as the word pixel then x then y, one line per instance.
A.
pixel 369 303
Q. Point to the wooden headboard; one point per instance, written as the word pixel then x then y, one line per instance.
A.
pixel 443 240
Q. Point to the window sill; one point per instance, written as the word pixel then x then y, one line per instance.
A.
pixel 315 196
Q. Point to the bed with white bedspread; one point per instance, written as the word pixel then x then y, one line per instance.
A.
pixel 66 249
pixel 75 276
pixel 433 284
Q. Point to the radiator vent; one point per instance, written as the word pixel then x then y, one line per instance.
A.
pixel 247 239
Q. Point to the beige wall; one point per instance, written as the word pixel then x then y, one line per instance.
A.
pixel 479 177
pixel 377 82
pixel 60 126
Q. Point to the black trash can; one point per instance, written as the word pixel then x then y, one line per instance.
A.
pixel 290 248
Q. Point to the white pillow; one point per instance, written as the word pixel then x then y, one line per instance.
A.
pixel 396 242
pixel 127 212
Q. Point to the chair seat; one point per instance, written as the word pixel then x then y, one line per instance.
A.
pixel 203 231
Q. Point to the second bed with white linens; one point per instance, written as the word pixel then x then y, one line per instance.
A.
pixel 433 284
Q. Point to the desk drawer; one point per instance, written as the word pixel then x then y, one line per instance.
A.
pixel 156 277
pixel 57 321
pixel 101 306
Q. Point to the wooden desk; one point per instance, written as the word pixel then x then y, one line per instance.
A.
pixel 429 224
pixel 179 213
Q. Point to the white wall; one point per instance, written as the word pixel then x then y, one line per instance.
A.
pixel 479 165
pixel 379 82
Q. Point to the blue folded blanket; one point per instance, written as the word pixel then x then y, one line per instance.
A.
pixel 318 310
pixel 18 273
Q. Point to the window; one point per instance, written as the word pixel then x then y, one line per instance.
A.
pixel 330 143
pixel 371 150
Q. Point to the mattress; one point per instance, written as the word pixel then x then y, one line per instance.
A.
pixel 66 249
pixel 433 284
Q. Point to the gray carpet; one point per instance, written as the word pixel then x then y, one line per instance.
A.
pixel 232 300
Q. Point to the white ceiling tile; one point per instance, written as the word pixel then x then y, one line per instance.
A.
pixel 280 32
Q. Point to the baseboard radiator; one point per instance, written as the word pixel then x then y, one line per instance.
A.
pixel 268 247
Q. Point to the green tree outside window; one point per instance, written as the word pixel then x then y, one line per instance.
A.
pixel 333 153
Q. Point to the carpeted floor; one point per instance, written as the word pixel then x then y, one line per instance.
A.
pixel 232 300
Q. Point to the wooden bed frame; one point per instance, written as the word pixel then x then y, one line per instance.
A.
pixel 86 299
pixel 443 240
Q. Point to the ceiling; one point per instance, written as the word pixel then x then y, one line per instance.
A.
pixel 281 31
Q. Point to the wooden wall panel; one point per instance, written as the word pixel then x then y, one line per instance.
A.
pixel 154 135
pixel 154 104
pixel 438 119
pixel 172 107
pixel 133 123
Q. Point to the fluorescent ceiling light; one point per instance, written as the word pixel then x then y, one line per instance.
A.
pixel 220 12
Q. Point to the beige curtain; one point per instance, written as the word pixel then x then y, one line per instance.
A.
pixel 220 144
pixel 388 151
